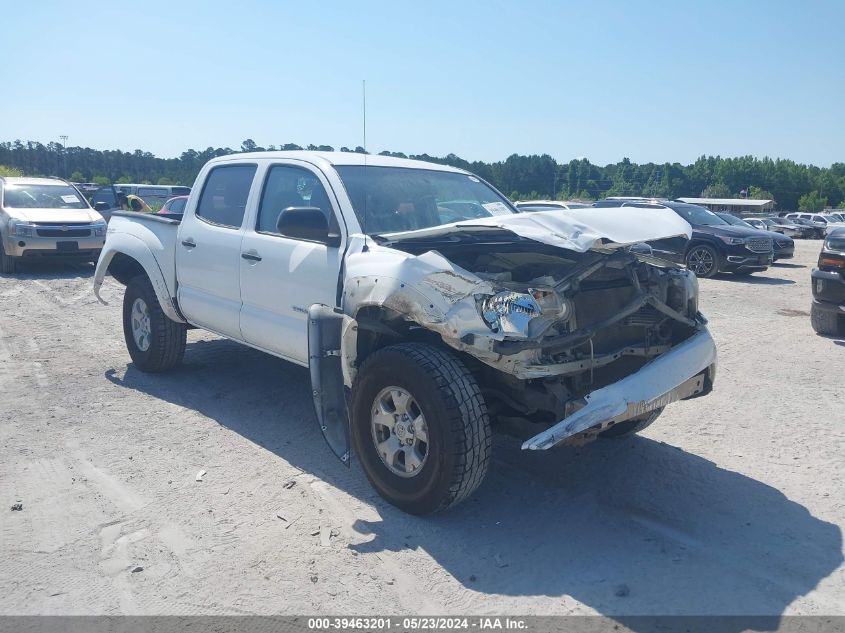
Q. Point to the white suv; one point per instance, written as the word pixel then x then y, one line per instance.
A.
pixel 827 222
pixel 46 217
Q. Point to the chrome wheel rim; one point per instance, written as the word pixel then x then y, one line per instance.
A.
pixel 399 431
pixel 700 261
pixel 141 329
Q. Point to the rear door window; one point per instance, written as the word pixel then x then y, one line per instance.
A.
pixel 224 195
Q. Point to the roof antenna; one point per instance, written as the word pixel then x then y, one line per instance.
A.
pixel 364 114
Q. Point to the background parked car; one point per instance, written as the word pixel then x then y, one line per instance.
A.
pixel 827 313
pixel 174 206
pixel 782 246
pixel 46 217
pixel 86 188
pixel 106 201
pixel 778 225
pixel 153 195
pixel 549 205
pixel 827 224
pixel 715 247
pixel 814 231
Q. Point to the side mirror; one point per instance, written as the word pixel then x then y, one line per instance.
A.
pixel 306 223
pixel 101 206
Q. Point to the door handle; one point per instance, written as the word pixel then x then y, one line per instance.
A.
pixel 253 257
pixel 189 243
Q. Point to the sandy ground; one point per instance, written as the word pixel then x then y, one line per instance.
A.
pixel 731 504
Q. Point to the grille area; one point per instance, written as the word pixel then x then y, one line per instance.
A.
pixel 64 230
pixel 759 244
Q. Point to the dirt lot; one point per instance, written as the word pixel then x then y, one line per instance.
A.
pixel 732 504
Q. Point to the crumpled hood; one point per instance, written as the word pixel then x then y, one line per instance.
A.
pixel 59 216
pixel 577 230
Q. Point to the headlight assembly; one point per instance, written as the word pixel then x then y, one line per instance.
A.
pixel 523 315
pixel 21 229
pixel 99 228
pixel 731 240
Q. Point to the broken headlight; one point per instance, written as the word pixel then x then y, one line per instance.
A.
pixel 523 315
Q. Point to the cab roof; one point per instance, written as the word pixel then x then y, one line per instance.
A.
pixel 338 158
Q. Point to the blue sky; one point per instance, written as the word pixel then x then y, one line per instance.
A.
pixel 651 80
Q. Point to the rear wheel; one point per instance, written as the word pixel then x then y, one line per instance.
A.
pixel 8 264
pixel 630 427
pixel 420 427
pixel 824 322
pixel 703 261
pixel 155 342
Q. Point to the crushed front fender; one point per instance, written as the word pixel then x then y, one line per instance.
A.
pixel 682 372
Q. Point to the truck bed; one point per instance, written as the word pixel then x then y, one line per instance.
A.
pixel 142 237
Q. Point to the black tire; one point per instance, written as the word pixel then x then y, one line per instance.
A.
pixel 8 264
pixel 700 252
pixel 458 436
pixel 824 322
pixel 631 427
pixel 166 343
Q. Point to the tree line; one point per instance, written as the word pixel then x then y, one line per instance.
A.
pixel 791 185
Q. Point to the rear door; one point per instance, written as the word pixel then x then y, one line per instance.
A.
pixel 106 195
pixel 281 277
pixel 209 247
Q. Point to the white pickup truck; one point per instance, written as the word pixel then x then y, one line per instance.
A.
pixel 426 306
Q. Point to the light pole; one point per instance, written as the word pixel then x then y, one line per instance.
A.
pixel 64 155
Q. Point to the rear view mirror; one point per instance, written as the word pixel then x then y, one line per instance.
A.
pixel 101 206
pixel 306 223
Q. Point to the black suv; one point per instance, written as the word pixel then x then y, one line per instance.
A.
pixel 715 246
pixel 827 314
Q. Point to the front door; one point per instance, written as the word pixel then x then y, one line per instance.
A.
pixel 282 277
pixel 208 251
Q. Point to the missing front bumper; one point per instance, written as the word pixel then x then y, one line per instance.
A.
pixel 683 372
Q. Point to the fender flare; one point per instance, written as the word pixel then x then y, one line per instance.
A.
pixel 134 248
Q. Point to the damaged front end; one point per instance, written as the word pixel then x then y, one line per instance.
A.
pixel 572 337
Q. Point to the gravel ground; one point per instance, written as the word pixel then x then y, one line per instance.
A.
pixel 730 504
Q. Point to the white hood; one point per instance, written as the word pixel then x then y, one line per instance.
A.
pixel 59 216
pixel 577 230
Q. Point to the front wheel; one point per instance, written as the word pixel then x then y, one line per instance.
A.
pixel 8 264
pixel 825 322
pixel 155 342
pixel 420 427
pixel 703 261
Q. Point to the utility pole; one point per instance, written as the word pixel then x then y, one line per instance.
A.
pixel 64 155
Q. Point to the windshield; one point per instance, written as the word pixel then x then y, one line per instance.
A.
pixel 732 219
pixel 696 215
pixel 393 199
pixel 42 197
